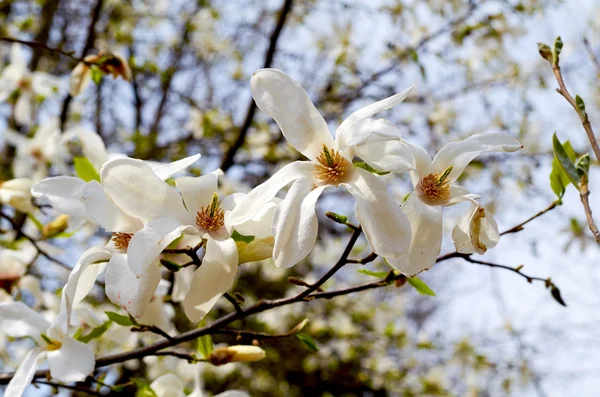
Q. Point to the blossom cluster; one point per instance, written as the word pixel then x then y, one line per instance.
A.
pixel 160 222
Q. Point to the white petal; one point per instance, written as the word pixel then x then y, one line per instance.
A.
pixel 147 244
pixel 476 231
pixel 460 153
pixel 43 84
pixel 138 191
pixel 165 171
pixel 369 130
pixel 233 393
pixel 264 192
pixel 287 103
pixel 79 79
pixel 168 385
pixel 345 130
pixel 197 192
pixel 124 289
pixel 19 320
pixel 181 283
pixel 422 163
pixel 80 282
pixel 385 225
pixel 24 108
pixel 426 242
pixel 383 154
pixel 65 194
pixel 105 212
pixel 73 362
pixel 295 224
pixel 212 279
pixel 24 374
pixel 260 225
pixel 92 146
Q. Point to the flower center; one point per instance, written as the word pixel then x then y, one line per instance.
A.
pixel 434 189
pixel 332 167
pixel 36 152
pixel 121 240
pixel 212 217
pixel 25 84
pixel 52 344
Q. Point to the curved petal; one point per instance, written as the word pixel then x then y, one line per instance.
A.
pixel 197 192
pixel 80 282
pixel 295 224
pixel 73 362
pixel 165 171
pixel 346 131
pixel 422 162
pixel 181 283
pixel 276 94
pixel 426 241
pixel 260 224
pixel 19 320
pixel 24 374
pixel 138 191
pixel 24 108
pixel 212 279
pixel 368 130
pixel 233 393
pixel 389 156
pixel 168 385
pixel 460 153
pixel 105 212
pixel 92 145
pixel 43 84
pixel 476 231
pixel 125 290
pixel 65 194
pixel 264 192
pixel 385 225
pixel 147 244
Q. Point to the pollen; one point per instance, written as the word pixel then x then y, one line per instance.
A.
pixel 211 217
pixel 332 167
pixel 434 189
pixel 121 240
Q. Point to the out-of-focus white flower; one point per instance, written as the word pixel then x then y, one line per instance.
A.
pixel 476 231
pixel 14 262
pixel 107 63
pixel 69 360
pixel 170 385
pixel 17 194
pixel 30 85
pixel 377 142
pixel 435 187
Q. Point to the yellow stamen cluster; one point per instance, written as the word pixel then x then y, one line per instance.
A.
pixel 52 344
pixel 434 189
pixel 121 240
pixel 212 217
pixel 332 167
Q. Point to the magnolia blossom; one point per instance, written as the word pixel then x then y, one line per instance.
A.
pixel 170 385
pixel 195 211
pixel 68 359
pixel 30 85
pixel 435 187
pixel 107 63
pixel 95 201
pixel 476 231
pixel 14 262
pixel 17 194
pixel 375 141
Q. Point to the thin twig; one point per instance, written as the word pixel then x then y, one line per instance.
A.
pixel 233 301
pixel 43 46
pixel 191 358
pixel 78 388
pixel 519 227
pixel 152 328
pixel 259 335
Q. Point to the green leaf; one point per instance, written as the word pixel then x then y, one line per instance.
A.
pixel 85 170
pixel 374 274
pixel 96 74
pixel 205 345
pixel 556 295
pixel 545 51
pixel 420 286
pixel 341 219
pixel 239 237
pixel 95 333
pixel 583 165
pixel 365 166
pixel 308 341
pixel 580 104
pixel 565 161
pixel 143 388
pixel 558 45
pixel 120 319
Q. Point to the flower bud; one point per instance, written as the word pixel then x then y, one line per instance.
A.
pixel 239 353
pixel 56 227
pixel 79 79
pixel 17 194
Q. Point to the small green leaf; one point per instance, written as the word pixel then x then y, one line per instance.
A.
pixel 365 166
pixel 85 170
pixel 95 333
pixel 96 74
pixel 239 237
pixel 143 388
pixel 36 222
pixel 337 218
pixel 205 345
pixel 558 179
pixel 120 319
pixel 580 104
pixel 308 341
pixel 558 45
pixel 556 295
pixel 170 265
pixel 545 51
pixel 374 274
pixel 565 162
pixel 420 286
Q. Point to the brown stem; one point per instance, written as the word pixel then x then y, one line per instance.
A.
pixel 584 194
pixel 519 227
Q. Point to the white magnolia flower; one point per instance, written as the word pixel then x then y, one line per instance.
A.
pixel 14 262
pixel 96 202
pixel 376 142
pixel 435 187
pixel 476 231
pixel 68 359
pixel 17 194
pixel 136 189
pixel 170 385
pixel 17 76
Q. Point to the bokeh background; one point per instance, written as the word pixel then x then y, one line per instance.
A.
pixel 475 64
